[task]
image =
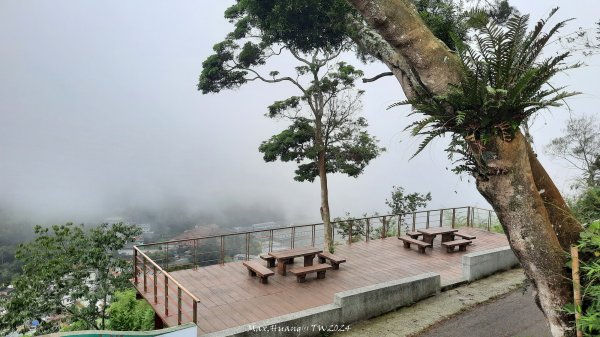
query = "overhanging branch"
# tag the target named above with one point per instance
(375, 78)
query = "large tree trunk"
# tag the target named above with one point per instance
(565, 225)
(537, 221)
(523, 215)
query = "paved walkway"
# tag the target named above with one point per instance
(514, 314)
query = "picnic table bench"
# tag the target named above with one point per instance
(270, 260)
(462, 245)
(430, 233)
(257, 269)
(465, 236)
(301, 272)
(284, 257)
(421, 245)
(333, 260)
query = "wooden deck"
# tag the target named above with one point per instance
(229, 296)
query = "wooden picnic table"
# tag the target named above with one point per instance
(430, 233)
(285, 256)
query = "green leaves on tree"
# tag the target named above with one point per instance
(70, 272)
(505, 81)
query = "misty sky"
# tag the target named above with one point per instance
(99, 115)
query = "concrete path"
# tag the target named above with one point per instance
(513, 314)
(512, 311)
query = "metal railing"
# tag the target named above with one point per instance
(153, 261)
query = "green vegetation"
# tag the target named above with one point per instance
(128, 314)
(69, 274)
(503, 83)
(589, 254)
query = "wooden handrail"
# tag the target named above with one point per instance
(171, 279)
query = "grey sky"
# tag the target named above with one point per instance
(99, 114)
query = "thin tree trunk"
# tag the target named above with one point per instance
(520, 208)
(322, 167)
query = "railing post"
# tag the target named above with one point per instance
(167, 258)
(332, 232)
(489, 220)
(414, 216)
(222, 250)
(368, 230)
(195, 312)
(427, 223)
(399, 223)
(350, 232)
(271, 240)
(293, 237)
(166, 296)
(453, 217)
(384, 233)
(154, 279)
(135, 271)
(468, 215)
(441, 217)
(247, 248)
(195, 254)
(314, 230)
(178, 306)
(145, 272)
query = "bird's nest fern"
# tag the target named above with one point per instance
(505, 79)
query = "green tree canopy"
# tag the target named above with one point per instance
(69, 272)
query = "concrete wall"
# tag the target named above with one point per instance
(185, 330)
(348, 307)
(487, 262)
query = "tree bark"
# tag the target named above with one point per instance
(564, 224)
(321, 165)
(523, 215)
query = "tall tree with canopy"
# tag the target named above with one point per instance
(325, 135)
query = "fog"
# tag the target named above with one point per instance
(100, 118)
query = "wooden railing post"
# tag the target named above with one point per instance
(271, 240)
(350, 232)
(195, 312)
(155, 285)
(167, 258)
(293, 237)
(368, 230)
(441, 217)
(222, 250)
(453, 217)
(247, 247)
(166, 296)
(384, 232)
(468, 215)
(145, 273)
(489, 220)
(135, 271)
(414, 219)
(195, 253)
(399, 224)
(427, 223)
(178, 306)
(314, 232)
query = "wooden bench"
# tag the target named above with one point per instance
(420, 244)
(301, 272)
(462, 245)
(414, 235)
(270, 260)
(333, 260)
(257, 269)
(465, 236)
